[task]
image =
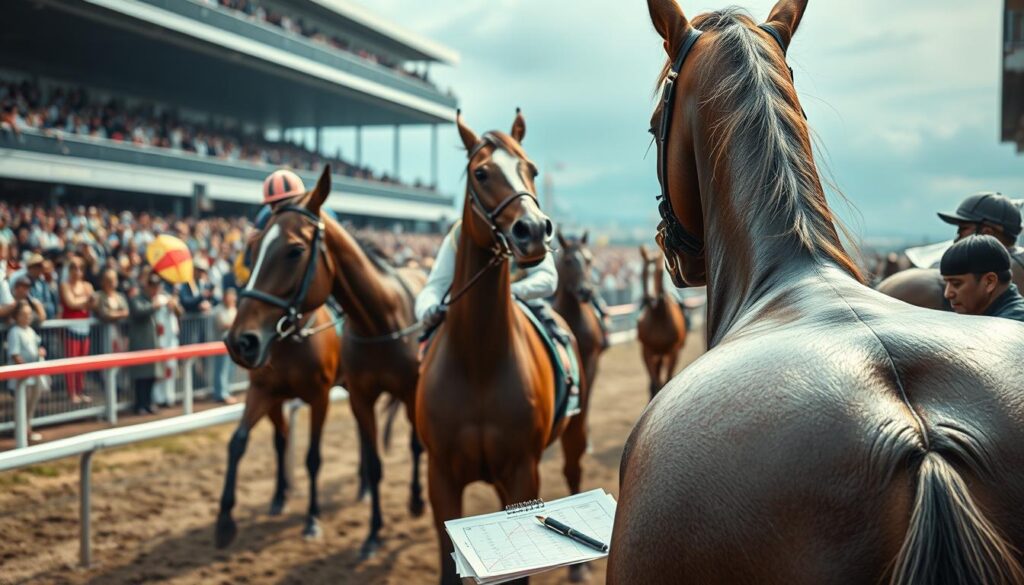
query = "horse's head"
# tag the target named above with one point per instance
(501, 194)
(574, 266)
(696, 83)
(286, 283)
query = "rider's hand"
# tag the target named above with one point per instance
(434, 316)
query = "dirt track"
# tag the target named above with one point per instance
(154, 505)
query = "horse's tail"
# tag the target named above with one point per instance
(389, 420)
(950, 541)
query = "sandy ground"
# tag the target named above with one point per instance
(154, 505)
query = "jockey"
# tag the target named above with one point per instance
(532, 286)
(995, 215)
(280, 187)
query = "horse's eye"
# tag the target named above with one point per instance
(296, 252)
(533, 172)
(480, 174)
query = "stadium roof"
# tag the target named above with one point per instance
(396, 39)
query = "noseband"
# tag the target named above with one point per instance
(289, 323)
(676, 237)
(502, 247)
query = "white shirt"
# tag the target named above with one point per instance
(540, 281)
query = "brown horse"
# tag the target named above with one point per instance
(313, 369)
(485, 405)
(661, 327)
(921, 287)
(302, 258)
(574, 301)
(830, 434)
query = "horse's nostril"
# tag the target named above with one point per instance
(549, 228)
(520, 230)
(248, 345)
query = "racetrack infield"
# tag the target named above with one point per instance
(154, 504)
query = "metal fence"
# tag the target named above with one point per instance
(87, 395)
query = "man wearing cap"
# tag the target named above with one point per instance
(994, 215)
(39, 288)
(20, 292)
(976, 270)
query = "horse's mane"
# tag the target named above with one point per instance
(377, 256)
(763, 129)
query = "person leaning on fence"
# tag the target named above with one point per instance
(976, 270)
(111, 307)
(39, 288)
(223, 317)
(142, 335)
(21, 292)
(76, 301)
(23, 346)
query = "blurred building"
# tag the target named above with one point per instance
(1013, 74)
(256, 67)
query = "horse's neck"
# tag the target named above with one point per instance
(360, 289)
(659, 283)
(484, 314)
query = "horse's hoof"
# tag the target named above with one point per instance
(312, 530)
(579, 573)
(225, 532)
(417, 507)
(276, 507)
(364, 490)
(369, 549)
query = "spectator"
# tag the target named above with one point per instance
(76, 296)
(39, 288)
(111, 307)
(22, 287)
(977, 274)
(23, 347)
(168, 333)
(142, 334)
(223, 317)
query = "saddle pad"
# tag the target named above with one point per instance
(567, 368)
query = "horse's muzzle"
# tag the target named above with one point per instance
(529, 237)
(248, 349)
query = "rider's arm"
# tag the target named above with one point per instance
(441, 276)
(540, 282)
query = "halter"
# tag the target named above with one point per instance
(502, 247)
(289, 323)
(675, 236)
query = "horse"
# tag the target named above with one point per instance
(313, 369)
(661, 327)
(486, 357)
(302, 258)
(921, 287)
(830, 434)
(574, 301)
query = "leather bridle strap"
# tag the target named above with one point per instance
(491, 216)
(292, 307)
(778, 39)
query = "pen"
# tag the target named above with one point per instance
(572, 533)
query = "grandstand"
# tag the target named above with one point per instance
(185, 105)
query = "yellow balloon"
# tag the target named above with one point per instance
(171, 259)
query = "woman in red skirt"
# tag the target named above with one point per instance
(76, 298)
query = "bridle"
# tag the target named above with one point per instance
(289, 323)
(490, 216)
(674, 236)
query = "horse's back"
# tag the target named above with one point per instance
(790, 455)
(921, 287)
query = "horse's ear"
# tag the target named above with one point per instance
(561, 240)
(585, 237)
(319, 193)
(670, 22)
(469, 138)
(644, 254)
(785, 18)
(519, 127)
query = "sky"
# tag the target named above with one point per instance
(904, 98)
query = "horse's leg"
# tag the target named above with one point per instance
(416, 504)
(574, 444)
(318, 414)
(276, 414)
(670, 366)
(446, 502)
(362, 408)
(256, 405)
(522, 485)
(651, 362)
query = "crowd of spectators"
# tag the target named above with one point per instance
(299, 26)
(67, 110)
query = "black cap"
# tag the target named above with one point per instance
(976, 255)
(992, 208)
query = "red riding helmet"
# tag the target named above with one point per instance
(282, 184)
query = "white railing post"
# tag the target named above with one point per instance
(188, 389)
(20, 415)
(110, 389)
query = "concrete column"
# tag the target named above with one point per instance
(433, 155)
(319, 140)
(359, 146)
(396, 156)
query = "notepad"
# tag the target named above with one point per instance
(499, 547)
